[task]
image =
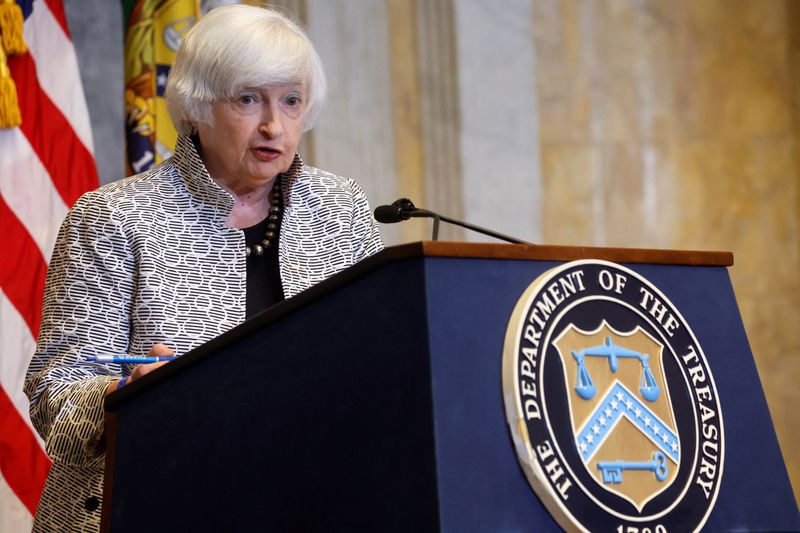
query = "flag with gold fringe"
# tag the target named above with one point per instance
(154, 30)
(11, 42)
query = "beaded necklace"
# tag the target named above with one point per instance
(274, 224)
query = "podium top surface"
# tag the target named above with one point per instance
(558, 253)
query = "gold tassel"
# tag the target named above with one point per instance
(9, 107)
(11, 27)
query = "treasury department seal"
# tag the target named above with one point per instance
(611, 403)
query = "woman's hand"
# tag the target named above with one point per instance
(140, 370)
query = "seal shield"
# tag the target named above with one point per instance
(620, 409)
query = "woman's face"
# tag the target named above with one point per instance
(253, 137)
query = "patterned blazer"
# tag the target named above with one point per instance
(149, 259)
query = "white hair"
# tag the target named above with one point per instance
(238, 46)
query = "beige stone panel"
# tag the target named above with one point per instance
(638, 194)
(604, 71)
(735, 79)
(568, 194)
(562, 83)
(652, 68)
(712, 209)
(618, 194)
(659, 193)
(741, 196)
(621, 83)
(617, 71)
(626, 219)
(408, 149)
(771, 236)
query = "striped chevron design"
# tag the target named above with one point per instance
(619, 402)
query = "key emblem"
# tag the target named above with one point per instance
(612, 470)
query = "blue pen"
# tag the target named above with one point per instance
(129, 359)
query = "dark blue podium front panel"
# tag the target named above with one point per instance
(481, 484)
(319, 422)
(378, 406)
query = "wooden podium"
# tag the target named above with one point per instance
(374, 402)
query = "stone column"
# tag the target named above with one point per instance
(499, 136)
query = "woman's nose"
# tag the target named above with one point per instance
(271, 125)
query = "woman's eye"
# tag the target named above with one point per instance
(293, 100)
(247, 99)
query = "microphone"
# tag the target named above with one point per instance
(397, 212)
(403, 209)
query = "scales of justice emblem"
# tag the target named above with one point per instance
(622, 417)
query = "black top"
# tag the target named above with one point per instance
(264, 286)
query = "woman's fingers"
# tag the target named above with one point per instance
(157, 350)
(141, 370)
(161, 350)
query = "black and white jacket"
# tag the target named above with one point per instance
(149, 259)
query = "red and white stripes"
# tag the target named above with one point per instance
(45, 165)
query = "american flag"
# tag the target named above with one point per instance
(45, 165)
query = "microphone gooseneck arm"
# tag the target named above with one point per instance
(403, 209)
(424, 213)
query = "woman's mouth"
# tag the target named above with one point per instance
(266, 154)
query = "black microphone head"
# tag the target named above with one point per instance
(397, 212)
(404, 204)
(388, 214)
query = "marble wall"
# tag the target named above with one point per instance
(674, 124)
(636, 123)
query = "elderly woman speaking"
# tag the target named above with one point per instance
(163, 261)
